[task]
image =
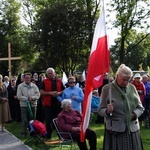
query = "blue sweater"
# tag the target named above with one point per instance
(95, 103)
(73, 91)
(147, 87)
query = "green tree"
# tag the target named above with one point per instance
(140, 53)
(129, 15)
(9, 29)
(12, 31)
(63, 33)
(136, 54)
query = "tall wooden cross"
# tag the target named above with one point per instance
(9, 58)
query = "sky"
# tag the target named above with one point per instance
(111, 32)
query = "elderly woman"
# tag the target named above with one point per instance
(74, 93)
(70, 121)
(95, 101)
(141, 91)
(121, 112)
(4, 106)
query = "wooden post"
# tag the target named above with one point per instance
(9, 59)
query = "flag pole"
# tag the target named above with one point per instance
(110, 98)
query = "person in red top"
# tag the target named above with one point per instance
(139, 86)
(141, 91)
(50, 89)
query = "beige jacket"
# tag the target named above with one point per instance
(25, 91)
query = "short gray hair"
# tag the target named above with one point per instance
(6, 77)
(65, 103)
(124, 71)
(51, 69)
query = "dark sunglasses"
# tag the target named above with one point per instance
(71, 82)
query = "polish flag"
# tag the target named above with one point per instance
(99, 62)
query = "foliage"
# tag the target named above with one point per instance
(137, 52)
(9, 29)
(59, 33)
(13, 32)
(148, 69)
(129, 15)
(141, 51)
(62, 31)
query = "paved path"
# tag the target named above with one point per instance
(10, 142)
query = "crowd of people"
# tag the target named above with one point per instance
(45, 97)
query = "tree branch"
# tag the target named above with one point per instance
(134, 46)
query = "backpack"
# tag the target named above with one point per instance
(40, 127)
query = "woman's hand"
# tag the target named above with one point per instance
(109, 108)
(55, 93)
(3, 100)
(75, 129)
(73, 97)
(133, 116)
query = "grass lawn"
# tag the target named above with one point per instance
(14, 128)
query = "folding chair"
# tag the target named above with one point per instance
(63, 141)
(35, 135)
(93, 115)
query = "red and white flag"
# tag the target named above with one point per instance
(99, 62)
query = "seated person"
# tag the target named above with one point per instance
(95, 105)
(70, 121)
(95, 101)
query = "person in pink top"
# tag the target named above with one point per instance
(141, 91)
(139, 86)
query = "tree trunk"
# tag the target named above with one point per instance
(122, 51)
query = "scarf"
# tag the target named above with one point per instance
(128, 99)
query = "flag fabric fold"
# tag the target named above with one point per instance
(83, 76)
(64, 79)
(99, 62)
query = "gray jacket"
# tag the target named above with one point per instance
(118, 122)
(25, 91)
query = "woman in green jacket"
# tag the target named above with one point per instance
(121, 107)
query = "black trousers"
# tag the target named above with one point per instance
(90, 135)
(51, 112)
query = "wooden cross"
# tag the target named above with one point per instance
(9, 59)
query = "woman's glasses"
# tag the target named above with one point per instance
(71, 82)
